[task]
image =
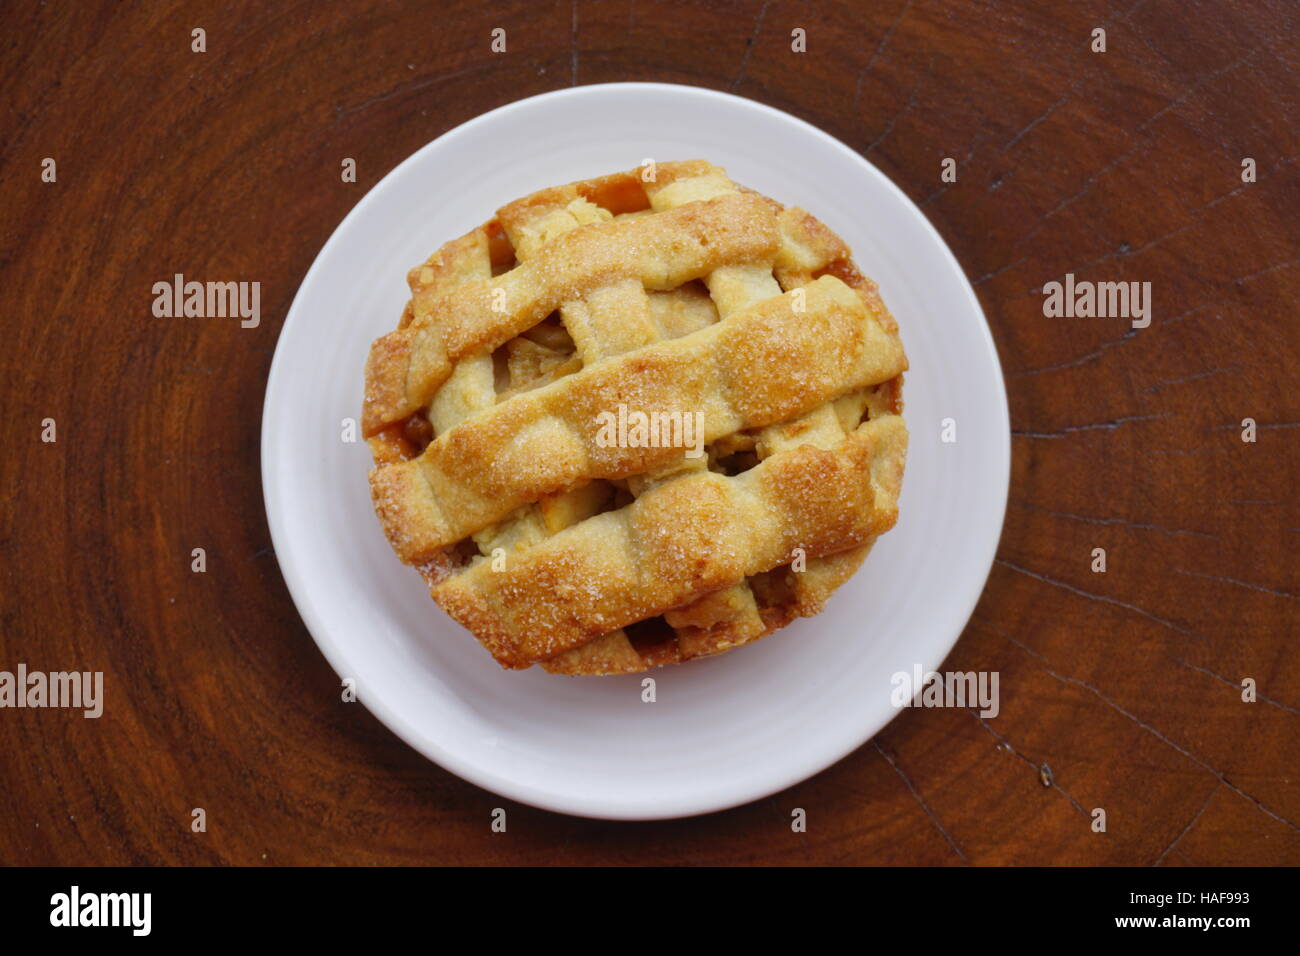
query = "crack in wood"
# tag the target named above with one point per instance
(880, 48)
(573, 44)
(1044, 115)
(915, 793)
(1124, 251)
(1244, 584)
(749, 46)
(1158, 386)
(1259, 426)
(1236, 685)
(1100, 426)
(411, 87)
(911, 102)
(997, 272)
(1101, 597)
(1123, 522)
(975, 145)
(1191, 823)
(1082, 360)
(1201, 81)
(1218, 774)
(1264, 271)
(1222, 777)
(1146, 141)
(1074, 88)
(1036, 766)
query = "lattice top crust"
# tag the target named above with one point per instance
(671, 298)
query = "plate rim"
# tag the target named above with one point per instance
(401, 726)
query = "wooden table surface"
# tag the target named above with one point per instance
(1120, 690)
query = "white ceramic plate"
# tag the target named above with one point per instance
(723, 731)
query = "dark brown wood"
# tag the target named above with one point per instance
(1123, 165)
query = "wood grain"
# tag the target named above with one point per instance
(1117, 166)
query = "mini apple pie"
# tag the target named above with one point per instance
(635, 420)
